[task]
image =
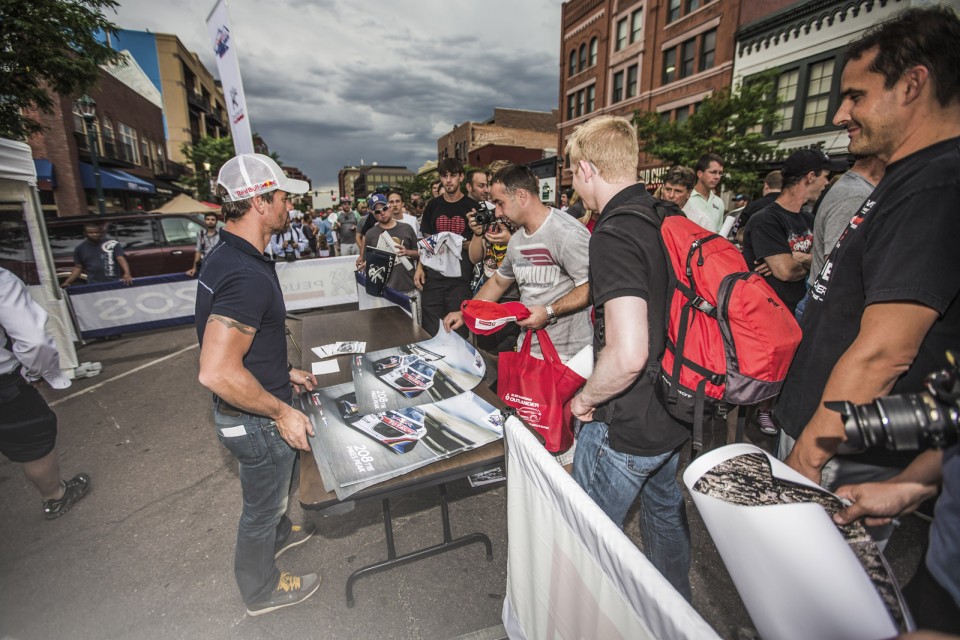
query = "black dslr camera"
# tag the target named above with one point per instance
(910, 421)
(485, 216)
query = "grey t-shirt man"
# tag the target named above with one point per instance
(547, 265)
(836, 209)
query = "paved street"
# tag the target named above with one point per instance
(148, 554)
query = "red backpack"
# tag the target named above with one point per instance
(729, 337)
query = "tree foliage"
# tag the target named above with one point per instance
(729, 123)
(48, 46)
(417, 184)
(216, 152)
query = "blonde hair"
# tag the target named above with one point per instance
(610, 144)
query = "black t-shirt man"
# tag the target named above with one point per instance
(439, 216)
(241, 283)
(99, 259)
(900, 246)
(774, 231)
(625, 244)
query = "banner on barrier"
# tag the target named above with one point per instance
(164, 301)
(149, 303)
(571, 572)
(318, 282)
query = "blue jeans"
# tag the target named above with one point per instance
(614, 480)
(266, 469)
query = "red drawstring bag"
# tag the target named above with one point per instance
(540, 390)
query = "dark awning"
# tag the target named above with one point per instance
(165, 188)
(45, 171)
(114, 180)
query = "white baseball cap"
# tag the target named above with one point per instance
(253, 174)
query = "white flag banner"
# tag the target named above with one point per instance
(224, 47)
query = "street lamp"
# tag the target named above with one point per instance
(211, 183)
(86, 108)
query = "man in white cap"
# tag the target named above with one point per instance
(240, 317)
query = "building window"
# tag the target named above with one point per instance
(571, 106)
(573, 62)
(673, 10)
(664, 117)
(708, 47)
(583, 58)
(632, 81)
(687, 58)
(669, 65)
(787, 94)
(682, 114)
(591, 97)
(593, 52)
(692, 5)
(109, 139)
(621, 34)
(617, 87)
(580, 102)
(818, 94)
(145, 153)
(636, 25)
(129, 149)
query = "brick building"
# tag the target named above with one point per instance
(621, 56)
(129, 135)
(805, 41)
(193, 101)
(530, 130)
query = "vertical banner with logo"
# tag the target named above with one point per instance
(218, 26)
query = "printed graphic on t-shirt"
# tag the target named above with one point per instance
(801, 242)
(536, 268)
(455, 224)
(819, 289)
(109, 264)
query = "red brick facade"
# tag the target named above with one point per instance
(663, 56)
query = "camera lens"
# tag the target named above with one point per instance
(905, 422)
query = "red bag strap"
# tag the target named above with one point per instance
(546, 346)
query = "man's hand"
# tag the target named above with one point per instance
(538, 318)
(472, 222)
(763, 269)
(879, 501)
(294, 427)
(453, 321)
(498, 234)
(806, 259)
(127, 279)
(191, 272)
(301, 380)
(581, 410)
(419, 277)
(360, 263)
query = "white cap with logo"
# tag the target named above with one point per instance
(253, 174)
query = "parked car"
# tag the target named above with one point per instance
(154, 244)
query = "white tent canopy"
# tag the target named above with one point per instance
(18, 183)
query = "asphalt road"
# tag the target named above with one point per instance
(149, 552)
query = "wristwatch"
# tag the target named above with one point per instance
(551, 316)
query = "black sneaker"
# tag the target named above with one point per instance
(74, 489)
(298, 535)
(290, 590)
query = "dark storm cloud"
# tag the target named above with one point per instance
(330, 83)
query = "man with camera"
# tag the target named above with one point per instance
(884, 307)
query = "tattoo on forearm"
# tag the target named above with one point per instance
(230, 323)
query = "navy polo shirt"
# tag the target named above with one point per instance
(239, 282)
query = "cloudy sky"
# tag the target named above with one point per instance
(329, 83)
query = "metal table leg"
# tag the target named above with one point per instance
(393, 560)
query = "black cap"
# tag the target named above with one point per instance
(806, 160)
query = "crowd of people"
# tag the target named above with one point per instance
(863, 261)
